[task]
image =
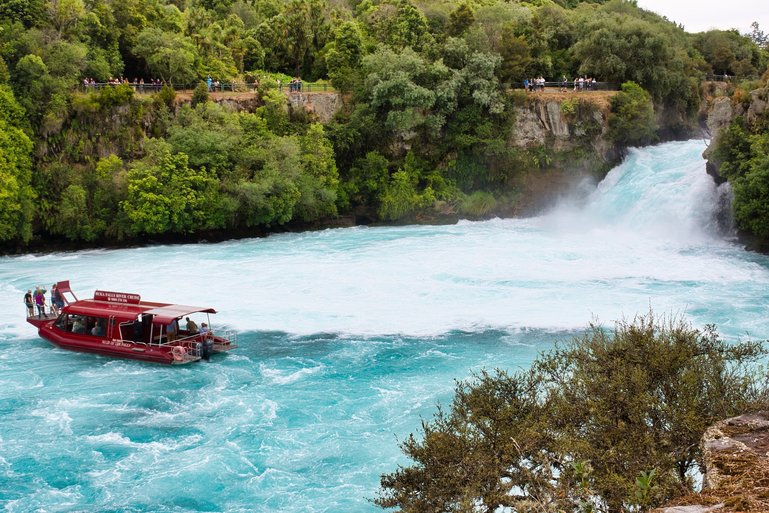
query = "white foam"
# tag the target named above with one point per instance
(644, 238)
(282, 377)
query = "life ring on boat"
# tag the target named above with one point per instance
(179, 353)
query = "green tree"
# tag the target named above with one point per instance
(401, 198)
(367, 179)
(268, 193)
(615, 47)
(16, 194)
(28, 12)
(516, 58)
(343, 56)
(109, 190)
(587, 421)
(728, 52)
(64, 14)
(199, 94)
(4, 75)
(169, 55)
(166, 196)
(397, 24)
(74, 215)
(30, 84)
(209, 135)
(319, 180)
(402, 89)
(632, 121)
(295, 36)
(460, 19)
(751, 189)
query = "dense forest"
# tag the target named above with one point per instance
(430, 93)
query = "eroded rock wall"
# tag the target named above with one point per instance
(564, 122)
(736, 457)
(321, 105)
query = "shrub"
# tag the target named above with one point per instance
(167, 96)
(606, 422)
(112, 96)
(478, 204)
(200, 94)
(632, 121)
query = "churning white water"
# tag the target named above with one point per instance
(347, 337)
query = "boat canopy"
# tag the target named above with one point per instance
(166, 314)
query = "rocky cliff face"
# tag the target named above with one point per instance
(719, 110)
(321, 106)
(564, 122)
(736, 455)
(571, 128)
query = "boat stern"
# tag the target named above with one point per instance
(37, 321)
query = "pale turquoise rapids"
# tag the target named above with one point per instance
(347, 337)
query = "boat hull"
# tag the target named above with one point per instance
(184, 352)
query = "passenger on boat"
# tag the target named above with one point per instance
(40, 302)
(138, 329)
(204, 329)
(98, 328)
(171, 330)
(79, 325)
(192, 328)
(57, 303)
(30, 303)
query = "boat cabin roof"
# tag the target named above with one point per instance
(129, 306)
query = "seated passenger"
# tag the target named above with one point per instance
(192, 328)
(138, 330)
(171, 330)
(98, 329)
(78, 326)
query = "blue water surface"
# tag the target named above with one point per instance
(347, 339)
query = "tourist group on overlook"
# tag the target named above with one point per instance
(579, 84)
(152, 84)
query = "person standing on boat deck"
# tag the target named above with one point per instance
(30, 303)
(204, 329)
(40, 303)
(192, 328)
(171, 330)
(57, 303)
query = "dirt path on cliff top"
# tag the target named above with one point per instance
(600, 98)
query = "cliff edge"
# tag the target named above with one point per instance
(736, 456)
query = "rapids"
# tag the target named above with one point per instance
(347, 337)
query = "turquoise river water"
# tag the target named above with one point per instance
(347, 338)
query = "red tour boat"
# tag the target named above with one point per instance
(122, 325)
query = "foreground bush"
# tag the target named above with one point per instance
(610, 421)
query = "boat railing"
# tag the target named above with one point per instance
(228, 334)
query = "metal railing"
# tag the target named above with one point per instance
(569, 85)
(229, 87)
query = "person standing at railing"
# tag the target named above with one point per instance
(40, 301)
(29, 302)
